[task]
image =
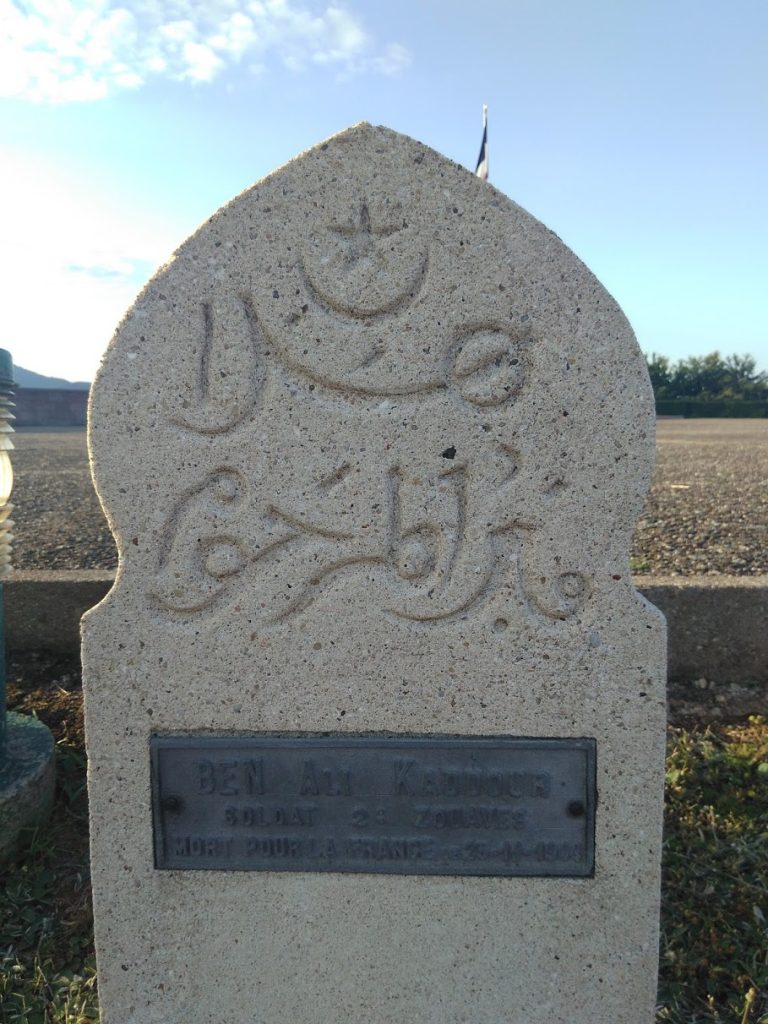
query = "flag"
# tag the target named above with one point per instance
(482, 161)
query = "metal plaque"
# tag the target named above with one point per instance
(393, 805)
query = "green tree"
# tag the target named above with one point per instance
(744, 380)
(660, 370)
(708, 377)
(699, 377)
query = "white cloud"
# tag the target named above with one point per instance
(393, 61)
(65, 51)
(71, 263)
(202, 63)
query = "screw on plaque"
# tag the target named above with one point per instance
(576, 809)
(172, 804)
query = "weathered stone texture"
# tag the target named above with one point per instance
(373, 445)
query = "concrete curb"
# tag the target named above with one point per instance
(43, 608)
(718, 625)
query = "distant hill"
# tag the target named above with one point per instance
(30, 379)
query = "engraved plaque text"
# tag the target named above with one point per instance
(395, 805)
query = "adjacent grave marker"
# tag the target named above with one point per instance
(375, 716)
(27, 766)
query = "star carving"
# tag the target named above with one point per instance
(361, 236)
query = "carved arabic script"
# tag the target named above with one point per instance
(437, 543)
(430, 535)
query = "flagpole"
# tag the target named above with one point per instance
(482, 161)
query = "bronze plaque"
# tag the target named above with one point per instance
(394, 805)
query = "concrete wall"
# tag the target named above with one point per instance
(50, 407)
(718, 625)
(43, 608)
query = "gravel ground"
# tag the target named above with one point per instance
(707, 511)
(58, 519)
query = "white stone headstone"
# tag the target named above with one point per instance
(373, 444)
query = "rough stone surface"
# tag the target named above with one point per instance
(373, 445)
(707, 509)
(27, 779)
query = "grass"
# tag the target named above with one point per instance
(714, 946)
(714, 949)
(47, 965)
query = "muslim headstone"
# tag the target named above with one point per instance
(375, 716)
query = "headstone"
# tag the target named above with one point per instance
(375, 716)
(27, 765)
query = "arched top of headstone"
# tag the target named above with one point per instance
(372, 366)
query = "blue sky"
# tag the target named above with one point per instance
(636, 131)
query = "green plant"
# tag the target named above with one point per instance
(714, 950)
(47, 968)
